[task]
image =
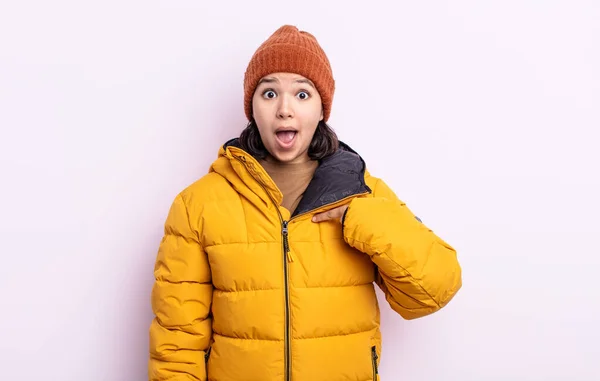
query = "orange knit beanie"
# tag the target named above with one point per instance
(291, 51)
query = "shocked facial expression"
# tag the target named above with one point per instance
(287, 109)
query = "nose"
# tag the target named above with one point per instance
(285, 109)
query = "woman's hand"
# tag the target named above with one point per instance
(331, 214)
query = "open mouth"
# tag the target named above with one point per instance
(286, 136)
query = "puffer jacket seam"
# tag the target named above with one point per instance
(296, 338)
(240, 243)
(298, 288)
(342, 286)
(252, 290)
(338, 335)
(270, 242)
(245, 338)
(319, 241)
(180, 281)
(412, 278)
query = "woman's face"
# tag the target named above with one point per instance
(287, 109)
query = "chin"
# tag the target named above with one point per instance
(288, 156)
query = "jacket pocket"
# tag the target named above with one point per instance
(374, 362)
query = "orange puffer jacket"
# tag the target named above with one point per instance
(245, 291)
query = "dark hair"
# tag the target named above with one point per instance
(323, 144)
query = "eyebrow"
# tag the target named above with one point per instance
(307, 81)
(275, 80)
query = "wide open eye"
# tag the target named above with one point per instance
(269, 94)
(303, 95)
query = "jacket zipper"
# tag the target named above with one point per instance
(286, 249)
(374, 360)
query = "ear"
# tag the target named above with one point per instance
(321, 118)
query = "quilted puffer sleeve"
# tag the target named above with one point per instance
(181, 299)
(418, 272)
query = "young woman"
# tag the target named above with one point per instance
(268, 263)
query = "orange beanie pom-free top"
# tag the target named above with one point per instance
(290, 50)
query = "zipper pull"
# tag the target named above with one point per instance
(374, 356)
(286, 244)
